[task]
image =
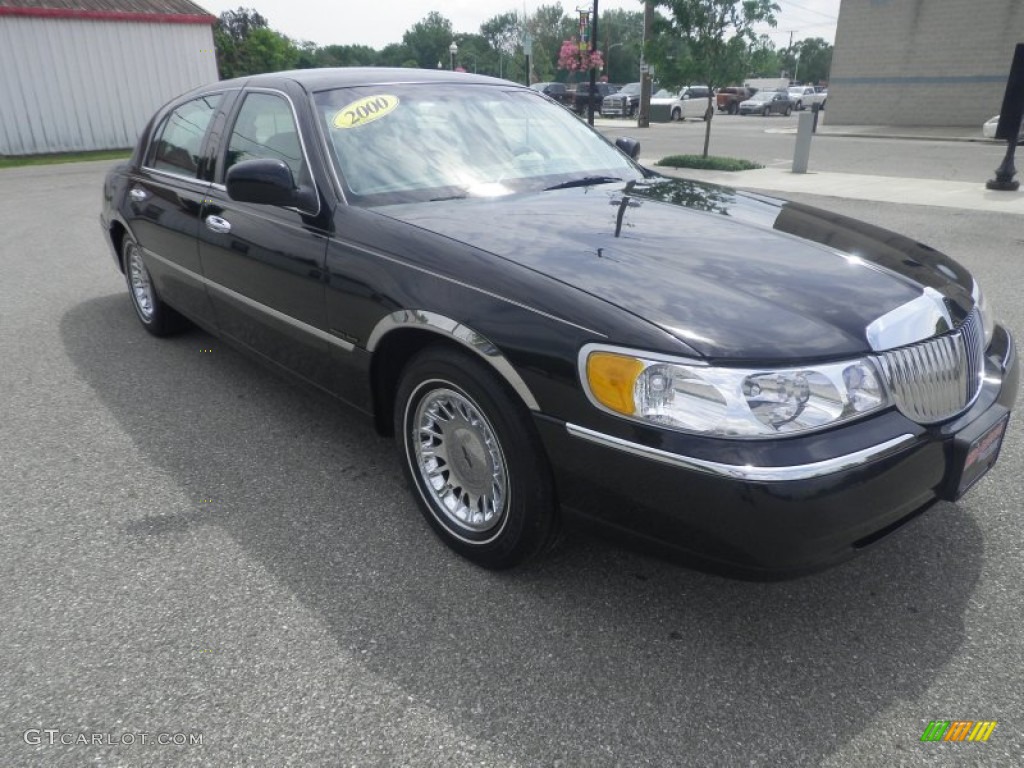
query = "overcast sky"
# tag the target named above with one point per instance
(379, 22)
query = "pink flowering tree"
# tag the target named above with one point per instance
(575, 60)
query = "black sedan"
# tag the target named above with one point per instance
(504, 291)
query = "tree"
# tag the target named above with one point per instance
(247, 46)
(504, 33)
(346, 56)
(764, 59)
(549, 27)
(396, 55)
(428, 40)
(717, 35)
(621, 39)
(815, 60)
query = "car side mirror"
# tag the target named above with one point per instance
(630, 146)
(266, 181)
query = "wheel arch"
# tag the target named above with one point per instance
(399, 336)
(117, 234)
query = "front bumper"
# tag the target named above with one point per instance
(618, 109)
(775, 508)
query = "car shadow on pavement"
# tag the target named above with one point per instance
(593, 656)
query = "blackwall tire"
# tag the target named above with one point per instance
(477, 467)
(155, 316)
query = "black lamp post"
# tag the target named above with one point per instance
(452, 50)
(1004, 181)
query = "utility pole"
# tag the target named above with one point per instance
(593, 72)
(644, 117)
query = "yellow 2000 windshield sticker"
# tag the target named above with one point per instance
(365, 111)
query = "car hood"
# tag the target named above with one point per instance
(733, 275)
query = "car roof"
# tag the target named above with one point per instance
(342, 77)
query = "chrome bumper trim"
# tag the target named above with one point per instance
(746, 472)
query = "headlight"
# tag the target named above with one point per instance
(988, 320)
(730, 402)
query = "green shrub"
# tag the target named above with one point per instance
(17, 161)
(710, 163)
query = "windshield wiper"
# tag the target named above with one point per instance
(449, 197)
(586, 181)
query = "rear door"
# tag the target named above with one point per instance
(164, 199)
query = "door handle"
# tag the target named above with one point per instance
(137, 194)
(218, 225)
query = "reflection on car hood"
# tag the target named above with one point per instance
(733, 275)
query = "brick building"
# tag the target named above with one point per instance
(922, 62)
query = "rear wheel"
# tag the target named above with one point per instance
(789, 111)
(767, 111)
(155, 316)
(734, 108)
(471, 452)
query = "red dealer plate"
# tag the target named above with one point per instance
(982, 455)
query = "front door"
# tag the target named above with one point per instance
(264, 264)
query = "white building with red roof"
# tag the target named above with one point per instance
(81, 75)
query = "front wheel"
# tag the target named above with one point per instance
(155, 316)
(470, 451)
(677, 115)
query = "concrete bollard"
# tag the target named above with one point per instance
(802, 152)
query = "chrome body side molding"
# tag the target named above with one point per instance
(467, 337)
(258, 306)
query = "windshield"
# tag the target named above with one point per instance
(633, 89)
(763, 96)
(416, 143)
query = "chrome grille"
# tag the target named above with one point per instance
(939, 378)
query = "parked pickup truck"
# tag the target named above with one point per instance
(803, 96)
(556, 91)
(728, 99)
(624, 103)
(601, 90)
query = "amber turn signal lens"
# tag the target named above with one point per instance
(612, 379)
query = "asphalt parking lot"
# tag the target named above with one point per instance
(193, 546)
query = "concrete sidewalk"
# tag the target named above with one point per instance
(852, 186)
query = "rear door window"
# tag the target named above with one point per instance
(176, 146)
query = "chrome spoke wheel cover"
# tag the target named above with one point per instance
(141, 286)
(458, 457)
